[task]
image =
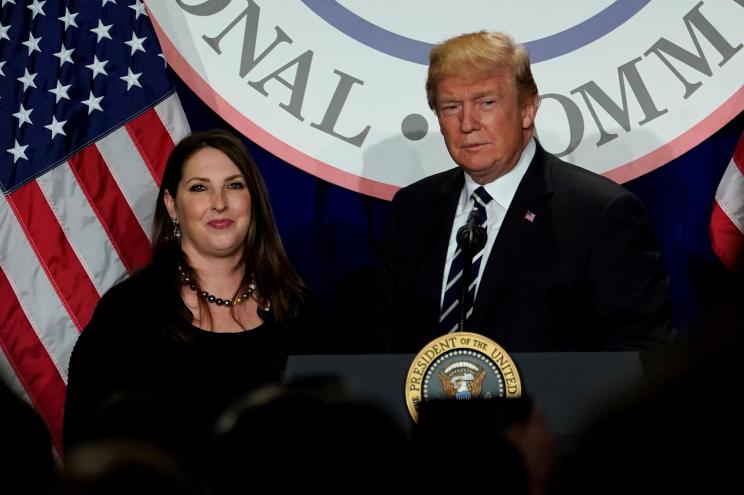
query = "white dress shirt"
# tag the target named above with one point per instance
(502, 191)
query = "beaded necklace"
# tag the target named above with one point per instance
(210, 298)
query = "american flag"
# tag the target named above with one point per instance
(727, 219)
(88, 115)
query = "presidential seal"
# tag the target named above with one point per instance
(461, 366)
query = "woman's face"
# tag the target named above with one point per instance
(212, 205)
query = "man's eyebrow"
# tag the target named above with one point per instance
(485, 92)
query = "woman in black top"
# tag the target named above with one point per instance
(208, 319)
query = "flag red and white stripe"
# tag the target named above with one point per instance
(69, 235)
(727, 219)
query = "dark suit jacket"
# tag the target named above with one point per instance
(584, 275)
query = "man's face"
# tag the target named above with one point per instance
(484, 124)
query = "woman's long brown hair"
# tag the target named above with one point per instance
(264, 257)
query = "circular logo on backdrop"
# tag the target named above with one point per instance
(461, 366)
(553, 45)
(336, 88)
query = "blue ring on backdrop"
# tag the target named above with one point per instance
(417, 51)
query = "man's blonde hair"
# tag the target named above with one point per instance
(479, 54)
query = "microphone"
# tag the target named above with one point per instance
(471, 237)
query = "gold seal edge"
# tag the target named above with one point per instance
(456, 341)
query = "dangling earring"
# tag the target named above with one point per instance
(176, 228)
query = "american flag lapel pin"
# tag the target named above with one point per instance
(529, 216)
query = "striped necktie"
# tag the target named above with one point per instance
(450, 316)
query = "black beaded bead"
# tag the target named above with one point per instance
(214, 299)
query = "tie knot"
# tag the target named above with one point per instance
(481, 196)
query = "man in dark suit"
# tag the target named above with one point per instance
(570, 261)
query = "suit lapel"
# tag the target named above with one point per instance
(526, 213)
(436, 241)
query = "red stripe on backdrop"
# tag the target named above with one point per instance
(33, 366)
(152, 140)
(111, 207)
(726, 239)
(59, 260)
(739, 155)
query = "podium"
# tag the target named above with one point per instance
(569, 388)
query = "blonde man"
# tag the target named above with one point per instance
(570, 261)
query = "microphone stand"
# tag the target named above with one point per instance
(471, 238)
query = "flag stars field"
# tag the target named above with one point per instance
(64, 55)
(136, 44)
(32, 43)
(98, 66)
(93, 103)
(27, 80)
(68, 18)
(131, 79)
(56, 127)
(4, 32)
(138, 8)
(18, 151)
(101, 31)
(60, 92)
(37, 8)
(23, 116)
